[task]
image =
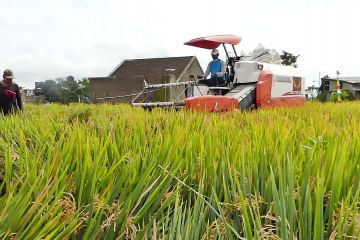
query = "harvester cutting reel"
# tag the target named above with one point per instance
(145, 97)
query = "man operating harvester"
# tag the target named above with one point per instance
(10, 98)
(217, 69)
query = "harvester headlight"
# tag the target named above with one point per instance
(260, 66)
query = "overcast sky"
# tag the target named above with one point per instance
(46, 39)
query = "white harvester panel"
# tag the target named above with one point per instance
(247, 72)
(286, 81)
(199, 90)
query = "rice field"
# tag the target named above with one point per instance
(116, 172)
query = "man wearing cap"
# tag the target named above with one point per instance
(216, 68)
(10, 98)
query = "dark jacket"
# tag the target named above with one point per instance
(10, 98)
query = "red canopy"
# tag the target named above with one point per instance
(211, 42)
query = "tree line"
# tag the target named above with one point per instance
(64, 90)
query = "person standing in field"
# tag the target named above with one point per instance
(10, 98)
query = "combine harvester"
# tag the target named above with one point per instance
(249, 84)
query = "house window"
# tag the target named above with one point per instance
(326, 85)
(357, 85)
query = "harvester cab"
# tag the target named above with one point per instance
(213, 42)
(248, 83)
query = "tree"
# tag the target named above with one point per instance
(312, 92)
(66, 90)
(288, 59)
(84, 89)
(51, 91)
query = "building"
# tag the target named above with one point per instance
(38, 88)
(122, 84)
(28, 96)
(352, 84)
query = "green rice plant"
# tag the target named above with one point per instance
(117, 172)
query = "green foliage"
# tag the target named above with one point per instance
(345, 95)
(65, 90)
(289, 59)
(117, 172)
(322, 97)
